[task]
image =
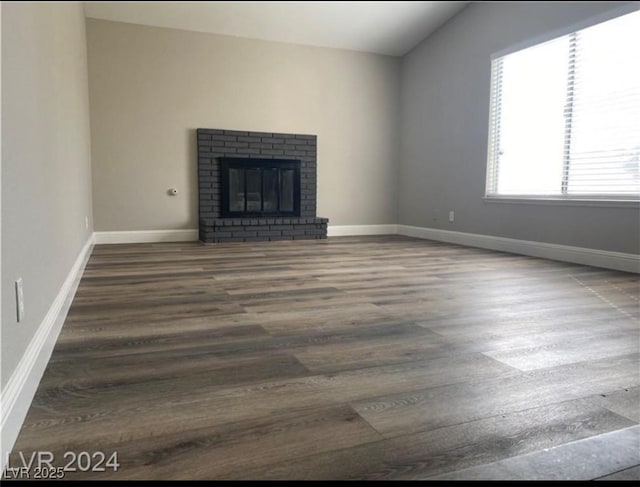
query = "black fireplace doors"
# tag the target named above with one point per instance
(260, 187)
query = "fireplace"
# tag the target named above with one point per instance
(255, 186)
(260, 187)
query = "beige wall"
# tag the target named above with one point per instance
(152, 87)
(46, 169)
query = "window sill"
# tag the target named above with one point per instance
(533, 200)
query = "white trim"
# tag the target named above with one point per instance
(566, 253)
(579, 255)
(17, 395)
(348, 230)
(542, 200)
(146, 236)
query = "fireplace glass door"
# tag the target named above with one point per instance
(260, 187)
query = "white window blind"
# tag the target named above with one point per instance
(565, 116)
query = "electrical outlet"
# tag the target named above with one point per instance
(19, 300)
(86, 222)
(451, 216)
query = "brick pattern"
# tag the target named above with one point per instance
(255, 229)
(216, 143)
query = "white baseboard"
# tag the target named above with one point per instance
(579, 255)
(146, 236)
(349, 230)
(17, 395)
(566, 253)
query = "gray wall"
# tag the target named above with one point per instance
(444, 124)
(152, 87)
(46, 168)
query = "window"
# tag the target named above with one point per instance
(565, 116)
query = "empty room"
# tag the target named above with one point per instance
(320, 241)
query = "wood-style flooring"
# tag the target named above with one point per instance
(348, 358)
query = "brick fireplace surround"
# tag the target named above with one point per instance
(216, 143)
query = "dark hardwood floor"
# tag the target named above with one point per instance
(350, 358)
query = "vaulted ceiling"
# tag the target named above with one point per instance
(391, 28)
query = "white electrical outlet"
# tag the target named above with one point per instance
(451, 216)
(86, 222)
(19, 300)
